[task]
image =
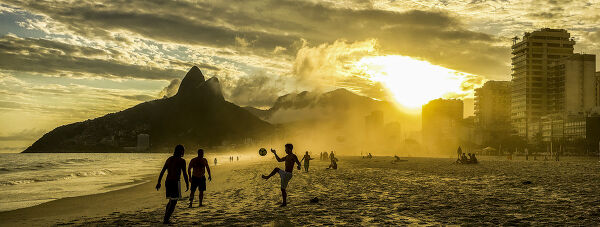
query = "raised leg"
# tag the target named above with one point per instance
(271, 174)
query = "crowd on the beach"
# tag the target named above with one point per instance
(175, 166)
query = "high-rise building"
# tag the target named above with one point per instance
(441, 120)
(532, 57)
(492, 104)
(492, 110)
(572, 85)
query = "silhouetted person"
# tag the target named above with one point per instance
(459, 152)
(286, 175)
(175, 165)
(463, 158)
(333, 160)
(396, 159)
(196, 172)
(306, 159)
(215, 161)
(473, 158)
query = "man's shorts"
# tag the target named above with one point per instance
(199, 182)
(173, 188)
(285, 178)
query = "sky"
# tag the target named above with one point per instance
(67, 61)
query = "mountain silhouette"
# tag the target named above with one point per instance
(336, 105)
(197, 115)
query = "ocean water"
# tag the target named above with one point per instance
(30, 179)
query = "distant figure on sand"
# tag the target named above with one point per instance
(306, 159)
(175, 165)
(459, 152)
(333, 160)
(198, 164)
(215, 161)
(286, 175)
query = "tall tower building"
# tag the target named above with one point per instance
(532, 58)
(572, 85)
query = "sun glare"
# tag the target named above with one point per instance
(412, 82)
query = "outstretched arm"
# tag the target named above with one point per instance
(162, 172)
(277, 156)
(297, 162)
(303, 159)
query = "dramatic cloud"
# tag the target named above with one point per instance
(56, 58)
(258, 90)
(170, 89)
(278, 26)
(63, 61)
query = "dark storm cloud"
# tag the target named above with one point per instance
(253, 27)
(52, 57)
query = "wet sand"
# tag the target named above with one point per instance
(421, 191)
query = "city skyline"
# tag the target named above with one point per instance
(64, 63)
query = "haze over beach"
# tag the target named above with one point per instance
(365, 112)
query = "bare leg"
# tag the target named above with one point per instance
(170, 208)
(284, 195)
(192, 192)
(201, 197)
(271, 174)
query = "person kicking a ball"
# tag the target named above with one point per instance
(286, 175)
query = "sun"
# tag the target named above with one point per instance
(413, 82)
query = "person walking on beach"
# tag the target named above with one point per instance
(215, 161)
(198, 164)
(459, 152)
(175, 165)
(285, 175)
(333, 160)
(306, 159)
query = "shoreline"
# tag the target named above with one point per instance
(137, 197)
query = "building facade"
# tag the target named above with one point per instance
(572, 85)
(532, 58)
(492, 110)
(441, 119)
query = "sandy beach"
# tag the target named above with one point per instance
(421, 191)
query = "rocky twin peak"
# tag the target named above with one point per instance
(195, 86)
(197, 115)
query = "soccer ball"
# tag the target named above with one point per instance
(262, 152)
